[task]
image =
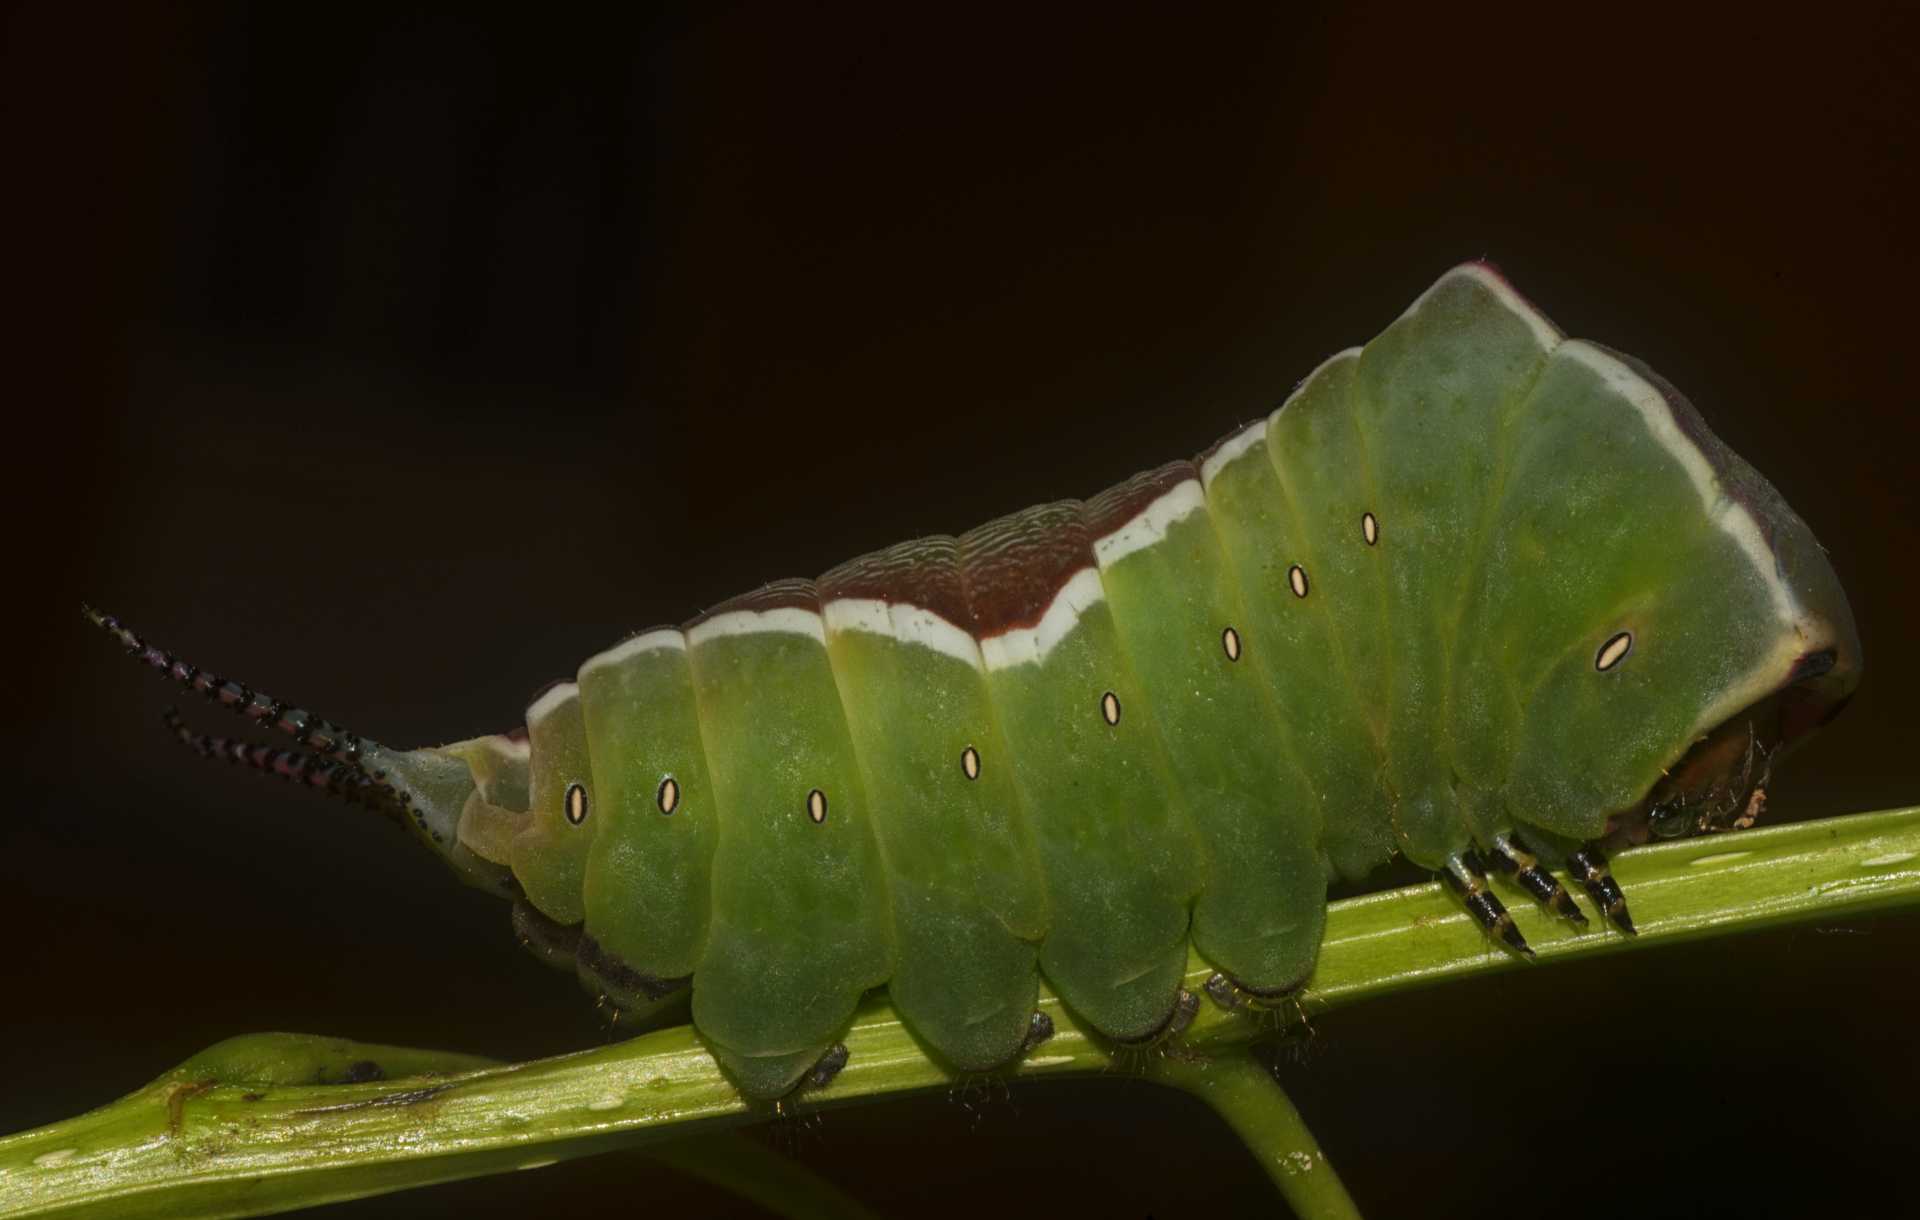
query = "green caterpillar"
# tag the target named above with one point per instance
(1475, 594)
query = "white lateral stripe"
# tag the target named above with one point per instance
(1723, 510)
(652, 641)
(1151, 524)
(519, 749)
(546, 704)
(787, 620)
(906, 623)
(914, 625)
(1231, 449)
(868, 614)
(1544, 331)
(1032, 644)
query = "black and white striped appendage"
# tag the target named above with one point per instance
(295, 766)
(315, 734)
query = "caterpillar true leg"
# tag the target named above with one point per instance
(1468, 877)
(1589, 868)
(1509, 857)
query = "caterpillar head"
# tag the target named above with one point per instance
(1796, 668)
(1720, 783)
(1654, 623)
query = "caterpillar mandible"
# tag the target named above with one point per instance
(1475, 593)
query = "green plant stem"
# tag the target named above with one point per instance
(1243, 1092)
(240, 1130)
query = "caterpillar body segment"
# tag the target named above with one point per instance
(648, 889)
(800, 926)
(1181, 614)
(1473, 592)
(1290, 638)
(964, 889)
(549, 856)
(1112, 835)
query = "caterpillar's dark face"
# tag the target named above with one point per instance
(1721, 782)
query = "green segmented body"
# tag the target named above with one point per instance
(1470, 581)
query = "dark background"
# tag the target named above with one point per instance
(398, 365)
